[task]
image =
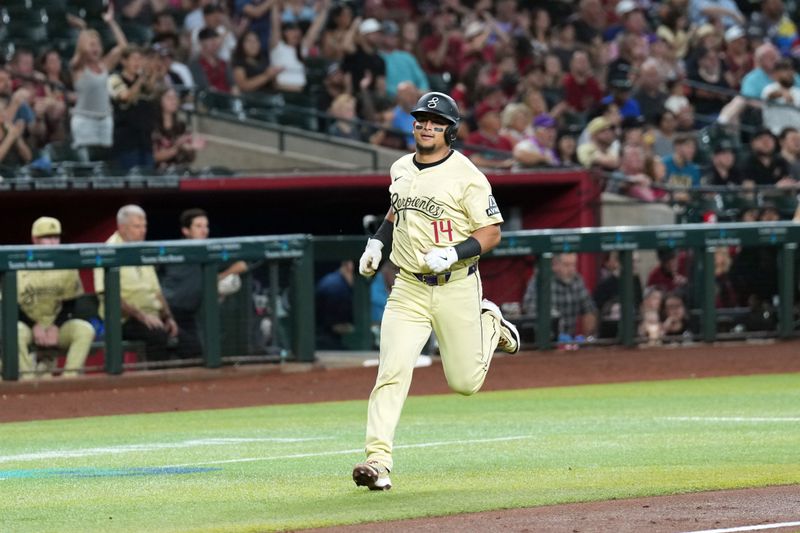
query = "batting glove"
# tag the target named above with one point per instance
(440, 259)
(371, 258)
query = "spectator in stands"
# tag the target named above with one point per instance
(650, 325)
(588, 23)
(738, 59)
(485, 146)
(343, 109)
(564, 44)
(174, 146)
(621, 87)
(782, 109)
(257, 15)
(762, 166)
(252, 73)
(607, 293)
(339, 36)
(132, 91)
(14, 151)
(215, 18)
(36, 108)
(208, 71)
(567, 148)
(724, 171)
(385, 135)
(725, 294)
(517, 121)
(650, 93)
(57, 93)
(400, 65)
(632, 180)
(754, 82)
(673, 30)
(92, 122)
(539, 149)
(365, 61)
(141, 12)
(633, 132)
(182, 284)
(541, 30)
(289, 48)
(167, 45)
(581, 89)
(675, 316)
(632, 21)
(569, 297)
(632, 53)
(665, 275)
(46, 304)
(407, 97)
(789, 140)
(702, 11)
(773, 21)
(443, 50)
(664, 133)
(146, 315)
(194, 17)
(163, 22)
(334, 307)
(682, 173)
(602, 151)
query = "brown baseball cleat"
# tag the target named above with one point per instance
(372, 475)
(509, 336)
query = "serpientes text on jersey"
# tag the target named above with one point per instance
(426, 205)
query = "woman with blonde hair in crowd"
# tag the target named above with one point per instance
(92, 121)
(343, 109)
(517, 120)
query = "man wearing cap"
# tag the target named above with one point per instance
(539, 150)
(723, 165)
(366, 61)
(763, 166)
(621, 86)
(602, 151)
(46, 300)
(632, 20)
(738, 58)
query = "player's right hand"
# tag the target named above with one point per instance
(371, 258)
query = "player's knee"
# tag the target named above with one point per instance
(464, 387)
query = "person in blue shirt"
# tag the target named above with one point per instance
(407, 96)
(766, 57)
(334, 307)
(681, 173)
(621, 87)
(400, 65)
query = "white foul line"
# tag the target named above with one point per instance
(749, 528)
(733, 418)
(146, 447)
(348, 452)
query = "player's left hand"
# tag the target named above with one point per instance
(440, 259)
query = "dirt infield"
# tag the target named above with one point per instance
(263, 385)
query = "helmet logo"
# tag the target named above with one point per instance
(433, 101)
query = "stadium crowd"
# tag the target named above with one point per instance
(656, 98)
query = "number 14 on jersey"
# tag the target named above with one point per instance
(441, 229)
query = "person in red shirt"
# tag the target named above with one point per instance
(497, 153)
(208, 70)
(666, 275)
(581, 90)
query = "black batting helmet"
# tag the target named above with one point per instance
(442, 105)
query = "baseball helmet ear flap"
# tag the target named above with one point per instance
(440, 104)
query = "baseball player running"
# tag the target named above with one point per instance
(442, 217)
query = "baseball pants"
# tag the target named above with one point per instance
(74, 335)
(467, 340)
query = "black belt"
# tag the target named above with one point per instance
(444, 277)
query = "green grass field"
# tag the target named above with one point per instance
(272, 468)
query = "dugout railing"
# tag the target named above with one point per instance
(302, 251)
(701, 239)
(295, 249)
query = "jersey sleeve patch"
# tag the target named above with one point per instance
(493, 208)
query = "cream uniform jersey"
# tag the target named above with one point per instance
(41, 292)
(436, 207)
